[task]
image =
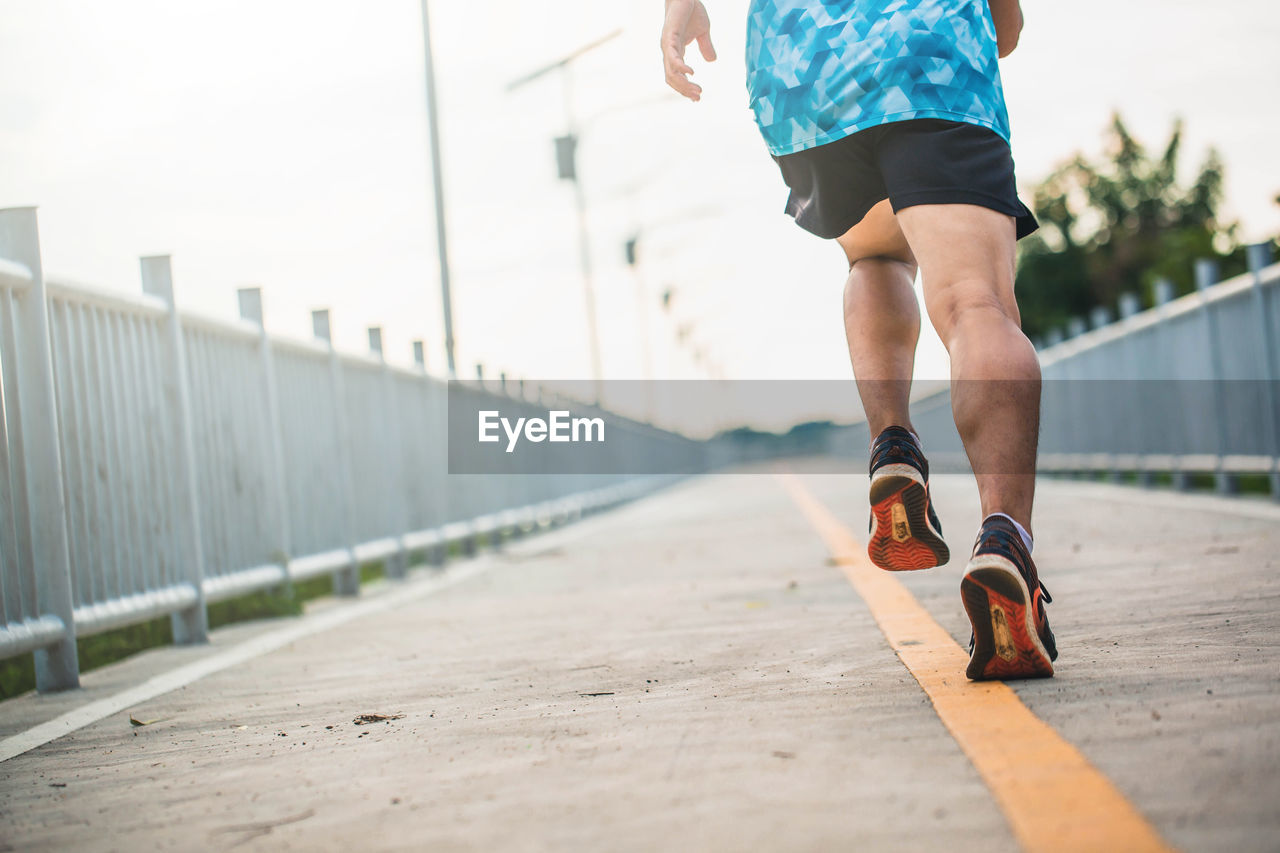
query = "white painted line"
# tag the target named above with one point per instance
(92, 712)
(537, 545)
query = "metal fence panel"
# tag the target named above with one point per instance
(308, 417)
(1190, 385)
(151, 462)
(238, 523)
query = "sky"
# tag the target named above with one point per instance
(284, 145)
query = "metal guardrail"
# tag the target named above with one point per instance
(1189, 386)
(153, 462)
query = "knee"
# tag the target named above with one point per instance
(877, 278)
(875, 268)
(968, 303)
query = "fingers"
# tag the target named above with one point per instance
(685, 21)
(690, 90)
(678, 70)
(673, 56)
(705, 46)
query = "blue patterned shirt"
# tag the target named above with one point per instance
(820, 70)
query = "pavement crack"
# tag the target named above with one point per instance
(671, 770)
(261, 828)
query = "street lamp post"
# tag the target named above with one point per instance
(631, 254)
(437, 177)
(566, 163)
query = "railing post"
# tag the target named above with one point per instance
(346, 581)
(190, 625)
(1207, 272)
(250, 299)
(57, 665)
(1130, 305)
(1163, 291)
(397, 566)
(437, 553)
(1259, 255)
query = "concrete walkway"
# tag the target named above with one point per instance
(690, 672)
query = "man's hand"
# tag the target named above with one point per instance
(686, 21)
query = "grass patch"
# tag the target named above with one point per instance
(263, 604)
(374, 571)
(1246, 483)
(1253, 484)
(1201, 481)
(18, 674)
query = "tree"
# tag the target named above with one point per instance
(1117, 225)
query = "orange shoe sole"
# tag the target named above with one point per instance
(1006, 644)
(902, 540)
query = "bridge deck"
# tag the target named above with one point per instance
(690, 672)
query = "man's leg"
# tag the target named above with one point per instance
(882, 322)
(966, 259)
(881, 319)
(966, 256)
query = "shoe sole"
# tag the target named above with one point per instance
(1006, 644)
(902, 539)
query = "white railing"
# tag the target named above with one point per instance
(152, 461)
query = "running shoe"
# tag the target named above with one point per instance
(1005, 601)
(904, 532)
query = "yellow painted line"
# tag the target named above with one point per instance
(1053, 798)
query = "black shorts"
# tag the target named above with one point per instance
(921, 161)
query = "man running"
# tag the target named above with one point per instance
(888, 122)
